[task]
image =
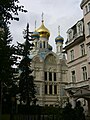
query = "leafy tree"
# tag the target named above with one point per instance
(26, 83)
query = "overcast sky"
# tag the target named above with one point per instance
(56, 12)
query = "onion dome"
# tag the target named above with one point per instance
(59, 38)
(43, 31)
(49, 47)
(35, 35)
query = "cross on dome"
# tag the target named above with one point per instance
(59, 30)
(42, 17)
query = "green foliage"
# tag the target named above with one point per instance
(79, 111)
(68, 112)
(7, 58)
(26, 80)
(9, 10)
(7, 71)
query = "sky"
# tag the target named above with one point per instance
(63, 13)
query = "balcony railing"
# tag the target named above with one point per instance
(78, 84)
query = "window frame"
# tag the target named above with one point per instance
(84, 72)
(45, 76)
(73, 76)
(71, 54)
(50, 76)
(50, 89)
(88, 28)
(82, 49)
(46, 92)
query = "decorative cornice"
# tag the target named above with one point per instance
(83, 3)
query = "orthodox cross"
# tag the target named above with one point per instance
(59, 30)
(35, 24)
(42, 16)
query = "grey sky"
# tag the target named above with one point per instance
(56, 12)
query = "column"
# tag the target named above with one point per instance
(53, 89)
(47, 89)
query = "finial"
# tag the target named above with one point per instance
(42, 17)
(35, 24)
(27, 25)
(59, 30)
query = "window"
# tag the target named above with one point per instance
(50, 89)
(79, 28)
(89, 7)
(72, 54)
(50, 76)
(89, 28)
(73, 76)
(45, 75)
(84, 71)
(55, 89)
(44, 44)
(45, 89)
(86, 9)
(82, 49)
(70, 35)
(54, 76)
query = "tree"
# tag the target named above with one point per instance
(7, 60)
(79, 111)
(68, 112)
(26, 79)
(9, 10)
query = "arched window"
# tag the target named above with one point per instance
(70, 34)
(79, 28)
(44, 44)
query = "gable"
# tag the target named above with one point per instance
(50, 59)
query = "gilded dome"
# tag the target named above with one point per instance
(43, 31)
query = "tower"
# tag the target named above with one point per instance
(59, 44)
(35, 36)
(44, 36)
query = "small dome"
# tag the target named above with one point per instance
(49, 47)
(35, 35)
(59, 39)
(43, 31)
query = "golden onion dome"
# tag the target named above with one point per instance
(43, 31)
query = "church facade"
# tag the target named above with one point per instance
(49, 68)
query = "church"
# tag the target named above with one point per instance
(50, 69)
